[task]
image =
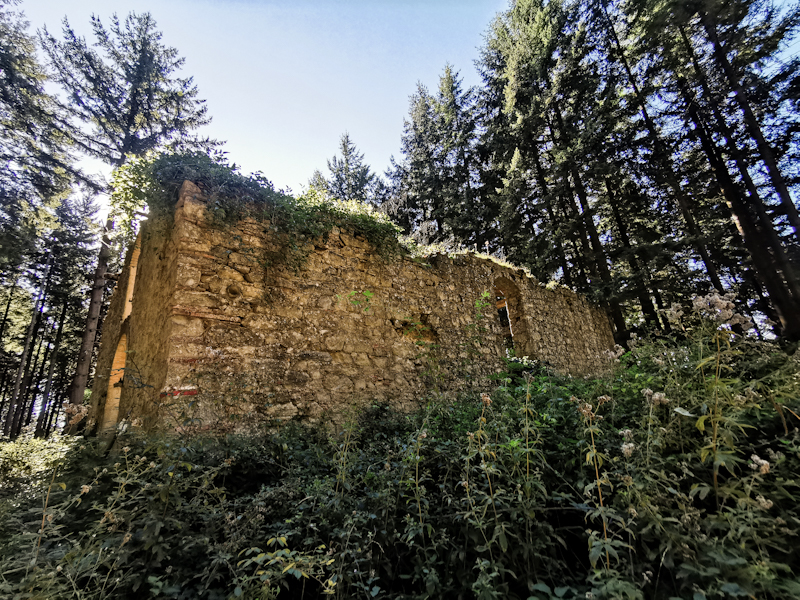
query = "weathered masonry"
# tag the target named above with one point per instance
(202, 331)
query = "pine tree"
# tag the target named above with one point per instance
(36, 168)
(127, 100)
(350, 177)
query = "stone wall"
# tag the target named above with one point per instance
(220, 336)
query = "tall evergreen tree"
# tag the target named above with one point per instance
(36, 168)
(350, 177)
(434, 182)
(128, 100)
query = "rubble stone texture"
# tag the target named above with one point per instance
(216, 337)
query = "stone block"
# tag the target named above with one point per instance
(186, 326)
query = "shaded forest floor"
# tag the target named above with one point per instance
(674, 477)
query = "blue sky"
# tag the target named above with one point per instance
(284, 79)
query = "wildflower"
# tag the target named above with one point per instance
(659, 398)
(627, 449)
(59, 568)
(613, 355)
(423, 434)
(485, 399)
(763, 503)
(126, 449)
(775, 457)
(585, 409)
(647, 393)
(126, 538)
(602, 400)
(152, 465)
(759, 464)
(85, 489)
(674, 312)
(627, 435)
(633, 341)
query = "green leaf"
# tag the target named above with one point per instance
(595, 553)
(683, 411)
(375, 591)
(238, 591)
(701, 424)
(541, 587)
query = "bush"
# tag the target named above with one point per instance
(675, 477)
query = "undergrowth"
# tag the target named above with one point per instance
(153, 181)
(674, 477)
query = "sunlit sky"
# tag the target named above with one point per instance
(284, 79)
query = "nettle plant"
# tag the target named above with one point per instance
(673, 477)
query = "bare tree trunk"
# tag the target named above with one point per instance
(645, 301)
(549, 208)
(5, 313)
(27, 382)
(598, 253)
(78, 386)
(3, 390)
(772, 266)
(661, 155)
(12, 408)
(40, 422)
(753, 127)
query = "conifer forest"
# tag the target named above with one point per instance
(643, 153)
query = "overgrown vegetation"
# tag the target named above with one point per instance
(675, 477)
(153, 181)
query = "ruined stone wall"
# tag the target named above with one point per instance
(229, 333)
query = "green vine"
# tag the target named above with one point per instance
(153, 182)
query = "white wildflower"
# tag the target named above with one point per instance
(763, 503)
(627, 449)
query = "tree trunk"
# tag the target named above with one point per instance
(12, 408)
(598, 254)
(661, 155)
(758, 233)
(753, 127)
(40, 422)
(550, 214)
(5, 313)
(27, 383)
(645, 301)
(78, 386)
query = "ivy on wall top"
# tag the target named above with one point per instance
(153, 182)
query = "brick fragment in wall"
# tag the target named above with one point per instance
(220, 312)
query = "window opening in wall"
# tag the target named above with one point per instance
(511, 313)
(505, 321)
